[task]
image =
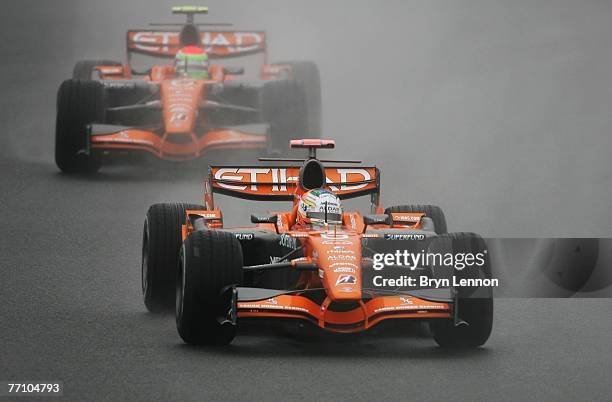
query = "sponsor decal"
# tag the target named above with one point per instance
(424, 307)
(180, 108)
(405, 236)
(343, 264)
(346, 279)
(282, 222)
(343, 242)
(244, 236)
(347, 289)
(288, 241)
(123, 137)
(265, 305)
(118, 85)
(340, 250)
(321, 273)
(216, 43)
(209, 215)
(111, 70)
(406, 218)
(274, 259)
(345, 269)
(365, 176)
(334, 236)
(341, 257)
(178, 117)
(278, 178)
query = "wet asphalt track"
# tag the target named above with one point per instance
(70, 304)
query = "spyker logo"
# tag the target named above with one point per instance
(346, 279)
(405, 300)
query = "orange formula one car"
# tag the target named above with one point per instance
(187, 106)
(314, 262)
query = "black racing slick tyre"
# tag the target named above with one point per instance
(79, 103)
(161, 242)
(473, 305)
(432, 211)
(85, 69)
(306, 73)
(284, 109)
(210, 264)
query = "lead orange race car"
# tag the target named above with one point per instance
(314, 262)
(181, 110)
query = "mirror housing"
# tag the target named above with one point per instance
(264, 218)
(377, 219)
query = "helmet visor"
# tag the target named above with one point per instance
(320, 216)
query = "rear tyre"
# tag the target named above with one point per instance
(285, 110)
(210, 262)
(85, 69)
(432, 211)
(475, 305)
(306, 73)
(161, 241)
(79, 103)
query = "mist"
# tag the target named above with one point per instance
(497, 111)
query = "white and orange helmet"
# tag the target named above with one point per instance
(319, 206)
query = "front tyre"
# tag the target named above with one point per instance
(161, 241)
(79, 103)
(210, 263)
(474, 305)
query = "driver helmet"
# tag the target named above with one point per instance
(317, 207)
(191, 62)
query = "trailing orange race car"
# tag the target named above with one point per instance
(184, 108)
(315, 261)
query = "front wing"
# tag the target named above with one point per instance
(177, 147)
(263, 303)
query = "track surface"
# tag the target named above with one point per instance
(70, 304)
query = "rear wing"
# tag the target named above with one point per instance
(274, 183)
(218, 44)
